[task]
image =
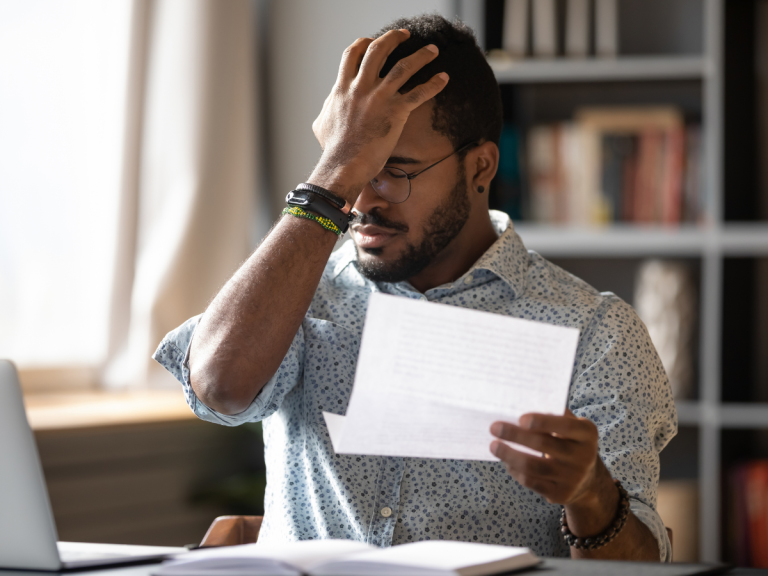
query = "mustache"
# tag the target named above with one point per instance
(376, 219)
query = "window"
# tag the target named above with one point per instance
(63, 73)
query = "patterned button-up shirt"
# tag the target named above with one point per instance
(618, 382)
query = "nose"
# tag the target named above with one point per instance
(368, 200)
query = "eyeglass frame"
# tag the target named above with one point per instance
(413, 175)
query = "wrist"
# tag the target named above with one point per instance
(344, 181)
(593, 510)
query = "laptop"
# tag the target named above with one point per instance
(28, 538)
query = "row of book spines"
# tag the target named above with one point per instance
(648, 177)
(543, 23)
(648, 183)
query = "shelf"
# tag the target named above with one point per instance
(743, 415)
(688, 412)
(726, 415)
(616, 240)
(745, 239)
(626, 240)
(599, 69)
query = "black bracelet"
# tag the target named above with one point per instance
(320, 206)
(336, 201)
(608, 534)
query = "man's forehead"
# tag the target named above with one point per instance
(419, 141)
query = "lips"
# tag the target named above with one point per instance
(369, 236)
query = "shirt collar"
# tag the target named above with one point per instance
(507, 258)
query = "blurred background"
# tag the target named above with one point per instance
(146, 147)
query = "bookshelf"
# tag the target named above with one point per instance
(677, 53)
(627, 68)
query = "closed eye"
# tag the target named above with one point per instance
(390, 172)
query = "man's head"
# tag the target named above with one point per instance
(447, 203)
(469, 107)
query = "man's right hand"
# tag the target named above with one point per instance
(363, 117)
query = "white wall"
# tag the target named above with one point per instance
(305, 41)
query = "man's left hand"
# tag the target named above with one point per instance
(566, 471)
(570, 472)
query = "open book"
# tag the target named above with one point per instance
(346, 557)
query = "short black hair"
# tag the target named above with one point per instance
(469, 108)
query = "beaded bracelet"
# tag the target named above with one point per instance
(322, 220)
(608, 534)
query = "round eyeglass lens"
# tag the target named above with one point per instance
(392, 184)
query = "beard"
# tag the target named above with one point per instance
(442, 226)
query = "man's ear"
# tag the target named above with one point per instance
(481, 166)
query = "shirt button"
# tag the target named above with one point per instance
(468, 279)
(386, 511)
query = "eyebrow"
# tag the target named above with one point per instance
(403, 160)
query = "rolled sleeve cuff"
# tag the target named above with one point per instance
(652, 520)
(173, 355)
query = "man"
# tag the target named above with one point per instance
(409, 136)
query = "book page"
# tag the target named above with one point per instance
(435, 557)
(290, 558)
(432, 378)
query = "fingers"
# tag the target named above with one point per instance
(558, 447)
(408, 66)
(423, 92)
(569, 447)
(525, 468)
(568, 426)
(378, 52)
(351, 59)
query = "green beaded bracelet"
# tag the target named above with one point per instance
(326, 223)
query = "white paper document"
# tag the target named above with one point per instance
(431, 379)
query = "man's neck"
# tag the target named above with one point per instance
(477, 235)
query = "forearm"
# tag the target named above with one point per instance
(249, 326)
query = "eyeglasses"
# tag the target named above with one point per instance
(394, 184)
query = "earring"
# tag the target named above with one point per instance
(481, 189)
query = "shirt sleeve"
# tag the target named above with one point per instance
(620, 384)
(173, 355)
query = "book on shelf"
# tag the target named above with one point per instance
(341, 557)
(544, 28)
(678, 505)
(515, 31)
(577, 28)
(508, 184)
(666, 299)
(639, 165)
(747, 519)
(551, 28)
(607, 28)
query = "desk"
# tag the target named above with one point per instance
(549, 567)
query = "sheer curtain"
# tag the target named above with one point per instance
(189, 173)
(62, 93)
